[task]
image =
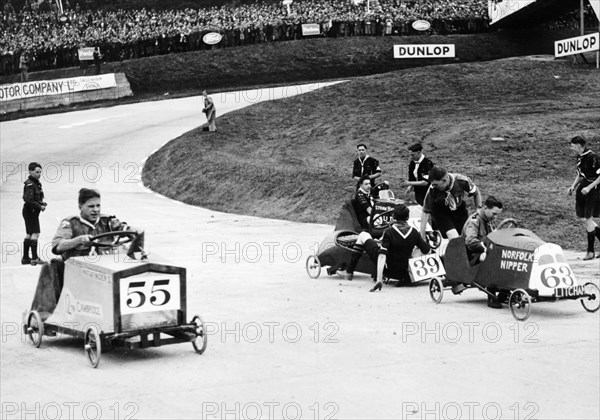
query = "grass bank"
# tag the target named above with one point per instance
(292, 158)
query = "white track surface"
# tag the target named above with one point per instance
(281, 345)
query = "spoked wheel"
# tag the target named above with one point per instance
(592, 302)
(93, 345)
(201, 340)
(35, 328)
(436, 289)
(520, 304)
(313, 267)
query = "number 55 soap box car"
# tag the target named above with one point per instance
(520, 267)
(111, 300)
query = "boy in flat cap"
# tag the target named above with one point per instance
(587, 193)
(418, 173)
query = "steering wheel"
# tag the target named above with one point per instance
(121, 237)
(508, 223)
(434, 238)
(384, 223)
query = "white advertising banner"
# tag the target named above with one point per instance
(86, 54)
(577, 45)
(596, 6)
(40, 88)
(424, 51)
(500, 9)
(311, 29)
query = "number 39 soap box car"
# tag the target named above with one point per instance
(335, 250)
(111, 300)
(520, 267)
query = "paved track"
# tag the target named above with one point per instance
(281, 345)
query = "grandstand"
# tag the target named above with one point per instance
(51, 39)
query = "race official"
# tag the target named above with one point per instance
(445, 202)
(587, 193)
(33, 197)
(210, 111)
(418, 173)
(73, 236)
(365, 165)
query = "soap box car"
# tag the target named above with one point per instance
(520, 267)
(110, 300)
(335, 250)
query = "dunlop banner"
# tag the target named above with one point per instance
(424, 51)
(577, 45)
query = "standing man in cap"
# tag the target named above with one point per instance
(210, 111)
(587, 193)
(33, 196)
(418, 173)
(365, 165)
(445, 202)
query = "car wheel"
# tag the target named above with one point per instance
(436, 289)
(93, 345)
(313, 267)
(591, 303)
(201, 340)
(35, 328)
(520, 304)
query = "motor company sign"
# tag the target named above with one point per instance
(424, 51)
(577, 45)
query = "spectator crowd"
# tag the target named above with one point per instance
(51, 39)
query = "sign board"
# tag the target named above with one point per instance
(311, 29)
(498, 10)
(86, 53)
(424, 51)
(426, 267)
(421, 25)
(212, 38)
(577, 45)
(40, 88)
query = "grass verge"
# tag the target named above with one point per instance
(292, 158)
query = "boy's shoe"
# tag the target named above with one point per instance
(589, 256)
(25, 261)
(458, 289)
(494, 303)
(37, 261)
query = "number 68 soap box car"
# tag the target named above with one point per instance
(111, 300)
(520, 267)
